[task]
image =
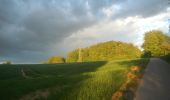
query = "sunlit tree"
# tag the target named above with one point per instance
(55, 59)
(110, 50)
(156, 43)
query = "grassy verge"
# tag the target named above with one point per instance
(74, 81)
(128, 88)
(166, 58)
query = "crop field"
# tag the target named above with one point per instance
(70, 81)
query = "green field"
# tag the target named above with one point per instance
(72, 81)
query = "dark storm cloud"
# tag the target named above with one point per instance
(37, 25)
(30, 29)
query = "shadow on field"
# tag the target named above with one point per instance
(58, 79)
(71, 76)
(61, 70)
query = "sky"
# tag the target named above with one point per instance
(33, 30)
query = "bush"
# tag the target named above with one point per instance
(7, 62)
(55, 59)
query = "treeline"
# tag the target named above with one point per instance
(54, 60)
(111, 50)
(156, 44)
(105, 51)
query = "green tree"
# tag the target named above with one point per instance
(156, 43)
(165, 47)
(110, 50)
(72, 56)
(55, 59)
(8, 62)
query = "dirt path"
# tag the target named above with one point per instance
(43, 94)
(23, 74)
(155, 84)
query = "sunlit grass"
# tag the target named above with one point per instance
(74, 81)
(101, 84)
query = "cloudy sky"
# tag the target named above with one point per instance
(33, 30)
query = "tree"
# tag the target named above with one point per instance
(110, 50)
(72, 56)
(55, 59)
(8, 62)
(165, 46)
(156, 43)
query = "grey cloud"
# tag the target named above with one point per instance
(38, 25)
(141, 8)
(35, 28)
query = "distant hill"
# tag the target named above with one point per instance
(111, 50)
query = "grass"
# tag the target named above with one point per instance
(73, 81)
(166, 58)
